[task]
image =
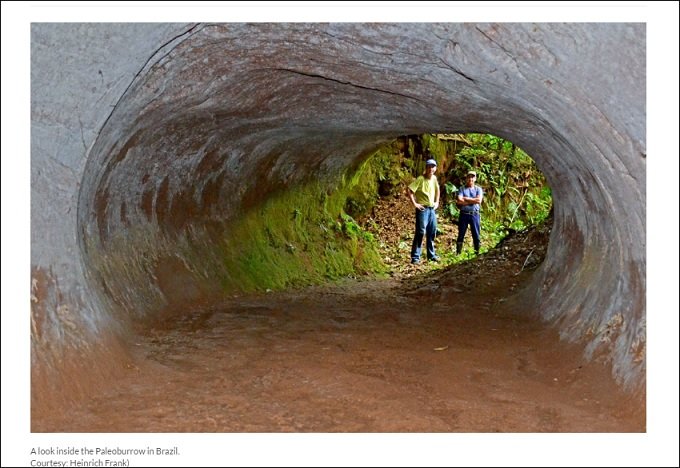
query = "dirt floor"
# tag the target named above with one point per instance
(425, 350)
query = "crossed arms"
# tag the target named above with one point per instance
(463, 201)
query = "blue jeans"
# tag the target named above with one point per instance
(471, 219)
(426, 223)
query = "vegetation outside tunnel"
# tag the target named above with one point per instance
(516, 193)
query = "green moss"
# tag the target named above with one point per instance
(299, 237)
(384, 173)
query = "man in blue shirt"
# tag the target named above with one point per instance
(469, 199)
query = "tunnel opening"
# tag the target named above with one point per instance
(516, 194)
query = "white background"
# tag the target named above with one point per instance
(658, 447)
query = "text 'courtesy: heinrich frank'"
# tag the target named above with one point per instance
(98, 456)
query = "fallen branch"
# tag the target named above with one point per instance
(525, 262)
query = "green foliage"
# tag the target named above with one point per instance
(494, 231)
(516, 194)
(450, 208)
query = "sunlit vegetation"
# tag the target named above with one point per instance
(516, 194)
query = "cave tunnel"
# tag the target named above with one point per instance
(149, 142)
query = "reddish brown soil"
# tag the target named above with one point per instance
(420, 352)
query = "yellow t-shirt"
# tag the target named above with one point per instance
(424, 190)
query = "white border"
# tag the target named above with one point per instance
(657, 447)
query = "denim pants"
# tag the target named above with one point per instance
(426, 223)
(471, 219)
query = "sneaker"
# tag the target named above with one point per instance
(415, 261)
(434, 259)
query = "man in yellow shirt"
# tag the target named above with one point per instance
(424, 195)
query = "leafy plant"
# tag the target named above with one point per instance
(516, 194)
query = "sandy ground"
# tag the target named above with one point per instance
(414, 353)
